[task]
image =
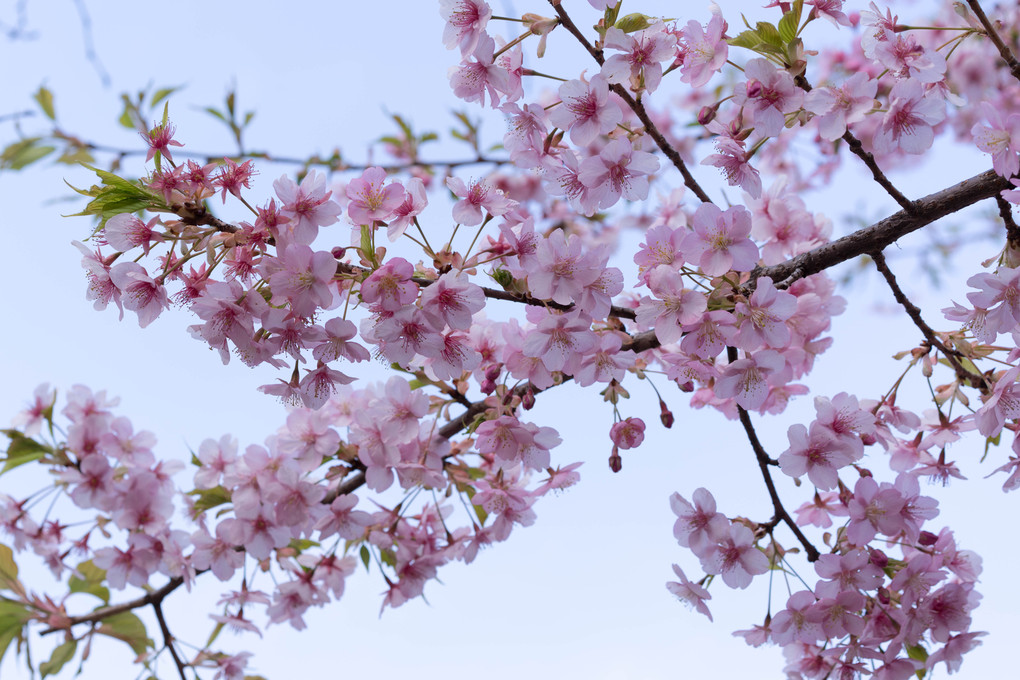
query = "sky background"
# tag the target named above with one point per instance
(579, 594)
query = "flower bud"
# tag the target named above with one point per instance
(665, 415)
(615, 462)
(878, 558)
(493, 371)
(487, 386)
(528, 399)
(338, 253)
(927, 538)
(707, 114)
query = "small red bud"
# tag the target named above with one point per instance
(528, 400)
(706, 115)
(338, 253)
(878, 558)
(615, 462)
(493, 371)
(927, 538)
(665, 415)
(487, 386)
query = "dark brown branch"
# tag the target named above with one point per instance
(952, 356)
(635, 105)
(1012, 230)
(1004, 51)
(168, 640)
(885, 232)
(155, 597)
(764, 461)
(333, 164)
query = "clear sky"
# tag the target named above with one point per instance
(581, 593)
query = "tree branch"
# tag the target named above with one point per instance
(155, 597)
(763, 466)
(635, 105)
(885, 232)
(952, 356)
(168, 639)
(1004, 51)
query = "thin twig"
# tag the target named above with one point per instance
(168, 639)
(635, 105)
(1004, 51)
(764, 461)
(952, 356)
(156, 596)
(857, 149)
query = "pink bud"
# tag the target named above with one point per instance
(615, 462)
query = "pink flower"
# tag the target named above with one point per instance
(734, 161)
(125, 231)
(673, 306)
(585, 110)
(415, 200)
(308, 205)
(302, 277)
(465, 23)
(769, 95)
(139, 292)
(451, 301)
(907, 124)
(640, 65)
(561, 269)
(702, 53)
(736, 558)
(839, 107)
(160, 138)
(234, 177)
(719, 242)
(621, 169)
(819, 455)
(747, 380)
(698, 526)
(628, 433)
(479, 195)
(1001, 139)
(690, 593)
(471, 81)
(369, 200)
(390, 286)
(763, 317)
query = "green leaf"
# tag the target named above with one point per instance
(213, 112)
(128, 628)
(61, 655)
(634, 22)
(214, 634)
(22, 450)
(788, 27)
(8, 568)
(161, 94)
(45, 100)
(302, 544)
(76, 156)
(747, 39)
(769, 34)
(24, 152)
(209, 498)
(116, 196)
(91, 581)
(13, 618)
(365, 556)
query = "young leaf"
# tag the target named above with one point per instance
(22, 450)
(90, 581)
(45, 100)
(13, 617)
(129, 628)
(61, 655)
